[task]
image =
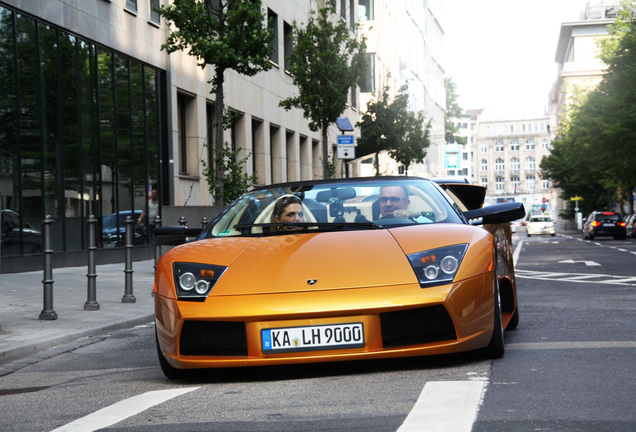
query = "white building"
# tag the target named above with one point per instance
(404, 41)
(507, 159)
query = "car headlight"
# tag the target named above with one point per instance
(437, 266)
(195, 281)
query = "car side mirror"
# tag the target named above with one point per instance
(496, 213)
(174, 235)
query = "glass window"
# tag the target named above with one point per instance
(530, 144)
(288, 43)
(154, 5)
(514, 164)
(514, 145)
(499, 165)
(499, 146)
(367, 81)
(530, 164)
(89, 133)
(484, 165)
(365, 10)
(131, 5)
(273, 25)
(514, 183)
(530, 183)
(500, 184)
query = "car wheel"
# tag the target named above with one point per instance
(495, 348)
(169, 371)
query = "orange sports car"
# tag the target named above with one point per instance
(335, 270)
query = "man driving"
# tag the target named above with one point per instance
(394, 201)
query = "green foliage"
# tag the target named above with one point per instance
(594, 155)
(325, 62)
(237, 182)
(453, 110)
(388, 125)
(228, 34)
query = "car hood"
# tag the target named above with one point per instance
(320, 261)
(308, 262)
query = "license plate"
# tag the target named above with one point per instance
(312, 338)
(608, 225)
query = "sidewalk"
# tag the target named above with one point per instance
(23, 334)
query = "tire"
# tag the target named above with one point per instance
(495, 348)
(169, 371)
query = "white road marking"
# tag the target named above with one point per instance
(122, 410)
(445, 406)
(570, 345)
(587, 263)
(577, 277)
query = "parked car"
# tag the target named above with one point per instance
(404, 274)
(14, 243)
(630, 226)
(604, 223)
(540, 225)
(517, 225)
(114, 229)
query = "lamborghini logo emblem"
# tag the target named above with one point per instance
(312, 282)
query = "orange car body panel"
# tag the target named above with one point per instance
(360, 274)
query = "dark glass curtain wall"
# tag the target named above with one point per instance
(80, 132)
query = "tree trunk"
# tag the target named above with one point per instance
(218, 144)
(325, 152)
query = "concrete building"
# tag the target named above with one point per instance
(507, 159)
(459, 159)
(95, 115)
(404, 41)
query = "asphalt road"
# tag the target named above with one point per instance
(568, 367)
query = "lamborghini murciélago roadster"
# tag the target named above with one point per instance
(335, 270)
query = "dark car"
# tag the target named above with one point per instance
(604, 223)
(114, 229)
(14, 242)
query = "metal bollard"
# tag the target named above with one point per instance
(157, 247)
(91, 289)
(128, 272)
(47, 312)
(204, 222)
(183, 221)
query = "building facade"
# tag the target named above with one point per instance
(96, 115)
(507, 158)
(404, 44)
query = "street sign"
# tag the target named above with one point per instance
(346, 147)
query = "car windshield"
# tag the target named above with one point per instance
(350, 204)
(541, 219)
(611, 217)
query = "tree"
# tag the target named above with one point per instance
(325, 62)
(594, 155)
(453, 110)
(388, 125)
(228, 34)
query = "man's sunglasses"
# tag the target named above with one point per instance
(394, 200)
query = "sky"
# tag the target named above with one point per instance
(500, 53)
